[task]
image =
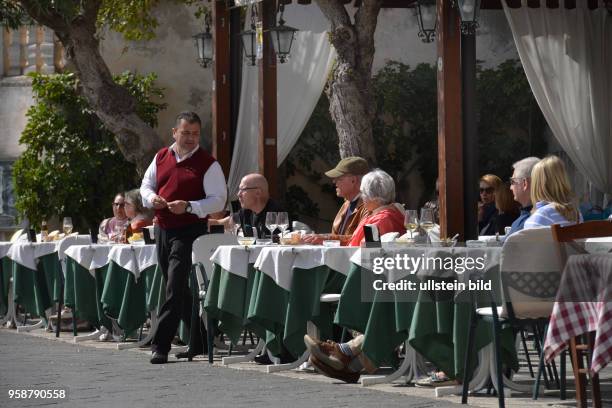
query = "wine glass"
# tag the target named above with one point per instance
(427, 221)
(411, 221)
(67, 225)
(271, 218)
(235, 223)
(119, 232)
(282, 221)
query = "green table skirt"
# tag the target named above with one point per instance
(112, 292)
(279, 316)
(5, 276)
(436, 326)
(36, 290)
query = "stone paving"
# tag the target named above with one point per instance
(95, 374)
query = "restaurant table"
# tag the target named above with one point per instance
(435, 323)
(36, 269)
(275, 291)
(110, 280)
(583, 305)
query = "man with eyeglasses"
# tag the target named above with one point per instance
(106, 232)
(255, 203)
(520, 184)
(184, 184)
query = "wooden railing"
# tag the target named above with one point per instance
(30, 49)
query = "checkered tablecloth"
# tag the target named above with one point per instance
(584, 304)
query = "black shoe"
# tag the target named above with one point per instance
(263, 359)
(159, 358)
(186, 354)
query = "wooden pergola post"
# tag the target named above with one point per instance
(267, 100)
(450, 143)
(221, 103)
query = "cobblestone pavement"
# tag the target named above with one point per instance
(106, 378)
(95, 374)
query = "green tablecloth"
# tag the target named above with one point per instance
(277, 315)
(36, 290)
(83, 293)
(227, 300)
(436, 327)
(112, 292)
(5, 276)
(125, 299)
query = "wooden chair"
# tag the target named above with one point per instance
(581, 346)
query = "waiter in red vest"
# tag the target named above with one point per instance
(184, 184)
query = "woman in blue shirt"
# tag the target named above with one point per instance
(552, 194)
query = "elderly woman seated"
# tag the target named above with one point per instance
(378, 193)
(139, 216)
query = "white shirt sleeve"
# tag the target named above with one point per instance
(216, 192)
(148, 187)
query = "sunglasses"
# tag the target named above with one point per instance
(120, 205)
(488, 190)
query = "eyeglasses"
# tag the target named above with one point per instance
(488, 190)
(242, 190)
(120, 205)
(515, 180)
(188, 133)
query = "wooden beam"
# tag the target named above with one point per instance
(221, 104)
(450, 144)
(267, 100)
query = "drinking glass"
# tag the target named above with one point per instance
(411, 221)
(282, 221)
(271, 223)
(427, 221)
(119, 232)
(67, 225)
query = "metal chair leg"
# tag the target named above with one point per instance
(466, 359)
(500, 380)
(527, 357)
(536, 385)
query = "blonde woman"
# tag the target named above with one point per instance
(552, 194)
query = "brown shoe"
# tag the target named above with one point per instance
(328, 352)
(344, 374)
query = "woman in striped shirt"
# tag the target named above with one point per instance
(552, 194)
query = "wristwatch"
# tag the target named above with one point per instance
(188, 208)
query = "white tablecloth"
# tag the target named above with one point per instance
(4, 248)
(134, 258)
(278, 262)
(27, 253)
(236, 258)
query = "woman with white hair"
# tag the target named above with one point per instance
(378, 193)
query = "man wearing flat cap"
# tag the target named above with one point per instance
(346, 176)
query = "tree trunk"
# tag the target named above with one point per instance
(349, 88)
(112, 103)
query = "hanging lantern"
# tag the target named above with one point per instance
(427, 20)
(468, 11)
(204, 44)
(282, 36)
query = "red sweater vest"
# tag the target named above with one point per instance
(180, 181)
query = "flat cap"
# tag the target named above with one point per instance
(349, 165)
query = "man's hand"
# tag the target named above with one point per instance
(159, 202)
(177, 207)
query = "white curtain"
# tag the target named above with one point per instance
(567, 57)
(300, 82)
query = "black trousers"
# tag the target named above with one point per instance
(174, 248)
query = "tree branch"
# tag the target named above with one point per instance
(46, 17)
(342, 33)
(366, 19)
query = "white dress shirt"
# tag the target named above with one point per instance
(214, 186)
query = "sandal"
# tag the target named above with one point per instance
(436, 379)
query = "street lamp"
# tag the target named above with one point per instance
(204, 44)
(249, 39)
(427, 21)
(468, 10)
(282, 36)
